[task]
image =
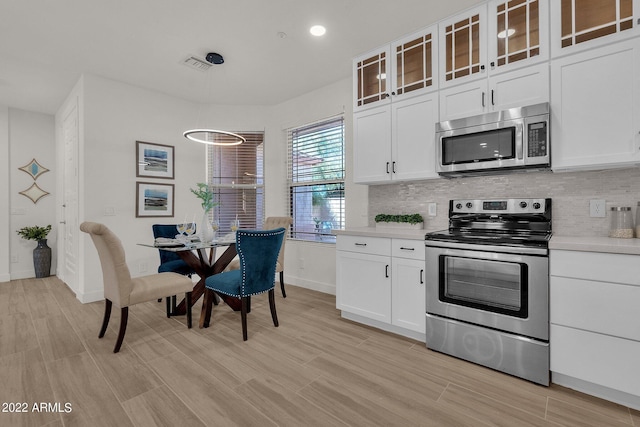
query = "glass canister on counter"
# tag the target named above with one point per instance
(621, 222)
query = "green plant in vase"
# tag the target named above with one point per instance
(206, 196)
(42, 252)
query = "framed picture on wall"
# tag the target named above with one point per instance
(154, 200)
(154, 160)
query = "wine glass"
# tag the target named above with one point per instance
(235, 224)
(215, 226)
(191, 228)
(181, 228)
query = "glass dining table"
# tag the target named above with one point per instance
(202, 258)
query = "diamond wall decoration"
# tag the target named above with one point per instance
(34, 169)
(34, 192)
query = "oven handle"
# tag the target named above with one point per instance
(386, 271)
(488, 248)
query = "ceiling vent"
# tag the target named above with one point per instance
(199, 64)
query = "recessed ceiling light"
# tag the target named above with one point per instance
(317, 30)
(506, 33)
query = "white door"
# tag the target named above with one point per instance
(372, 145)
(408, 299)
(69, 227)
(363, 285)
(414, 132)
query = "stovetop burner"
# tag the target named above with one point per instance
(506, 222)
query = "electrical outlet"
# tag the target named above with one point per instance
(14, 258)
(301, 264)
(142, 267)
(597, 208)
(432, 209)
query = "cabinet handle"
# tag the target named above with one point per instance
(407, 249)
(386, 270)
(393, 167)
(483, 98)
(422, 277)
(360, 244)
(387, 167)
(492, 103)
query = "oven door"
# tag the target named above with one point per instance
(503, 291)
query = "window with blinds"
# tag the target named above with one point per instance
(235, 173)
(316, 179)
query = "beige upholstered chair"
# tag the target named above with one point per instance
(271, 223)
(122, 290)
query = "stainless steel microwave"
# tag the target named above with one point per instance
(509, 140)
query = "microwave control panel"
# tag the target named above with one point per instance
(537, 139)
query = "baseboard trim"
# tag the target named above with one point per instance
(309, 284)
(596, 390)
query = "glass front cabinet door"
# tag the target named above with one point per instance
(518, 33)
(396, 71)
(370, 79)
(463, 46)
(583, 24)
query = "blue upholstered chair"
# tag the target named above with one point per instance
(170, 262)
(258, 252)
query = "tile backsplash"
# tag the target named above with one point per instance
(571, 193)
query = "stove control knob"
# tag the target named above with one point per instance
(523, 205)
(536, 205)
(458, 205)
(469, 205)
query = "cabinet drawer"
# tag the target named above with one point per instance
(407, 248)
(607, 308)
(364, 245)
(616, 268)
(599, 359)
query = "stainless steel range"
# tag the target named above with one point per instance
(487, 285)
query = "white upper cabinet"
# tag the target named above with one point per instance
(396, 109)
(463, 47)
(595, 108)
(518, 33)
(580, 25)
(397, 71)
(501, 62)
(370, 72)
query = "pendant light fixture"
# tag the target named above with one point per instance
(214, 136)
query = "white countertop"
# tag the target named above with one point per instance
(398, 233)
(569, 243)
(596, 244)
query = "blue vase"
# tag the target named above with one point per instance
(42, 259)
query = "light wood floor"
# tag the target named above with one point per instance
(315, 369)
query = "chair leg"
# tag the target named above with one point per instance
(124, 317)
(168, 306)
(105, 320)
(272, 306)
(173, 303)
(284, 294)
(159, 299)
(215, 299)
(187, 298)
(249, 304)
(206, 307)
(243, 312)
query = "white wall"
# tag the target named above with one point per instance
(31, 135)
(309, 264)
(5, 205)
(116, 116)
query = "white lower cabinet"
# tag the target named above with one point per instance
(595, 321)
(382, 279)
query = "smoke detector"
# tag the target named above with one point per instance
(200, 64)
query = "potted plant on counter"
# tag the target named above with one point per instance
(412, 221)
(42, 252)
